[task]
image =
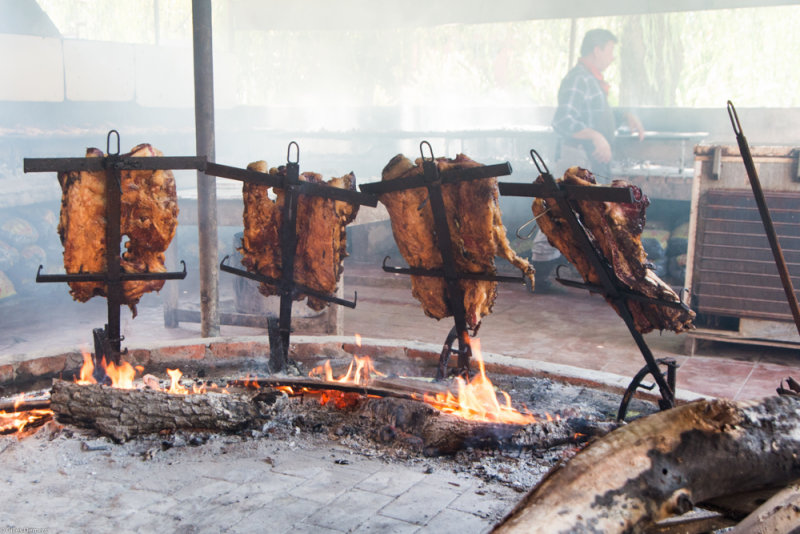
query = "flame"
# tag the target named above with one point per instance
(477, 399)
(359, 372)
(176, 387)
(87, 370)
(121, 375)
(17, 421)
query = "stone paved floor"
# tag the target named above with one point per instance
(53, 482)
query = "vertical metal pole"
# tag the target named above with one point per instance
(206, 185)
(113, 261)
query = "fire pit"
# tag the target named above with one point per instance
(303, 455)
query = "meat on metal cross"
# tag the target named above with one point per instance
(432, 179)
(107, 340)
(288, 288)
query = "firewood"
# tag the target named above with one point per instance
(125, 413)
(662, 464)
(779, 515)
(444, 434)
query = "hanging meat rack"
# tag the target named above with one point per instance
(108, 340)
(609, 287)
(280, 330)
(433, 180)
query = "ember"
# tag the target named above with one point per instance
(16, 421)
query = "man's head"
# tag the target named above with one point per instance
(598, 47)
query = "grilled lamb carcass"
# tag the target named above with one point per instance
(321, 234)
(149, 217)
(615, 230)
(476, 230)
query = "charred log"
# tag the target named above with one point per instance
(662, 464)
(125, 413)
(444, 434)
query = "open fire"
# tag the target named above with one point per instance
(475, 400)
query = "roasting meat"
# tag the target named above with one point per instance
(321, 237)
(615, 230)
(476, 229)
(149, 217)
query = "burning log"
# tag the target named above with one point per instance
(444, 434)
(663, 464)
(125, 413)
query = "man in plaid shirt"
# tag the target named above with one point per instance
(584, 120)
(585, 124)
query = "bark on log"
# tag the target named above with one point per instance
(444, 434)
(779, 515)
(125, 413)
(662, 464)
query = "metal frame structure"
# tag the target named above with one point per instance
(609, 287)
(107, 340)
(288, 288)
(434, 180)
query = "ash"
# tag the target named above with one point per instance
(305, 468)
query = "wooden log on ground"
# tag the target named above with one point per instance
(125, 413)
(779, 515)
(662, 464)
(444, 434)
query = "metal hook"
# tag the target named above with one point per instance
(422, 152)
(737, 127)
(289, 152)
(536, 160)
(530, 234)
(108, 143)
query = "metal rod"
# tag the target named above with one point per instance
(103, 277)
(446, 177)
(113, 259)
(288, 250)
(769, 227)
(206, 185)
(628, 294)
(445, 245)
(439, 273)
(575, 192)
(304, 188)
(298, 288)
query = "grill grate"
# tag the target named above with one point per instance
(736, 273)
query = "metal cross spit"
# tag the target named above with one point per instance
(107, 340)
(433, 180)
(293, 187)
(614, 293)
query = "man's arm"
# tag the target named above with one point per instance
(568, 122)
(602, 149)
